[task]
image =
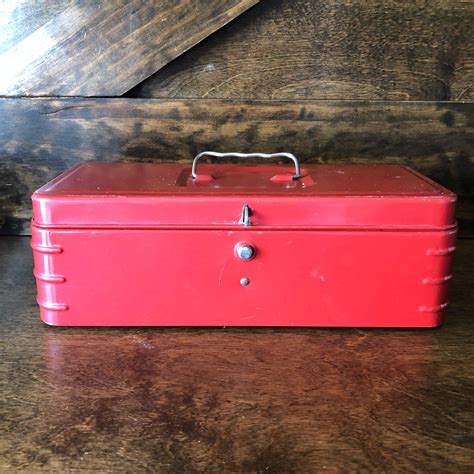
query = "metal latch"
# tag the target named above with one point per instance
(246, 213)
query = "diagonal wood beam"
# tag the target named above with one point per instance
(100, 48)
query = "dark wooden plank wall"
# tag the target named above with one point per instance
(100, 48)
(42, 137)
(331, 49)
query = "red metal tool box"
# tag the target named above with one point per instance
(130, 244)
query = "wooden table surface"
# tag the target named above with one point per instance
(233, 400)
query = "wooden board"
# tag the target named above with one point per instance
(233, 400)
(99, 48)
(42, 137)
(333, 49)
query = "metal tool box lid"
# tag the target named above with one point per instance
(165, 195)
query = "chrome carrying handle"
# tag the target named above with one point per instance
(216, 154)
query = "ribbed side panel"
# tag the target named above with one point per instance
(48, 281)
(439, 274)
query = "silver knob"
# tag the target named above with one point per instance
(244, 251)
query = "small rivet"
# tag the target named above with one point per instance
(244, 281)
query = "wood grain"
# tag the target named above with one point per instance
(336, 49)
(233, 400)
(42, 137)
(100, 48)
